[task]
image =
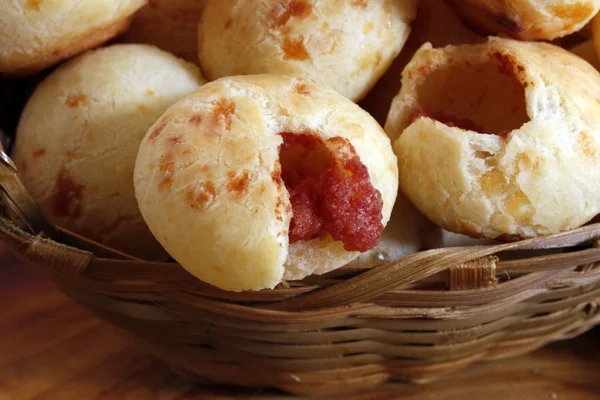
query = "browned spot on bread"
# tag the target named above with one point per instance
(173, 140)
(222, 112)
(76, 100)
(153, 4)
(284, 10)
(33, 4)
(150, 92)
(238, 183)
(279, 207)
(67, 197)
(301, 88)
(166, 168)
(276, 175)
(575, 12)
(359, 3)
(39, 152)
(586, 145)
(505, 63)
(294, 48)
(228, 23)
(70, 155)
(201, 196)
(196, 119)
(142, 108)
(157, 130)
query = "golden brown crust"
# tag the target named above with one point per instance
(526, 19)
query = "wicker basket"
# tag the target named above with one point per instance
(359, 326)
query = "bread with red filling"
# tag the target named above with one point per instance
(254, 179)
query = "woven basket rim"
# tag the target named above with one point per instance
(413, 319)
(364, 282)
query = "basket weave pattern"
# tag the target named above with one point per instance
(412, 320)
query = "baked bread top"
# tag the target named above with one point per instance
(212, 181)
(35, 34)
(79, 134)
(346, 45)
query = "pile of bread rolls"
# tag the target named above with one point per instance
(259, 155)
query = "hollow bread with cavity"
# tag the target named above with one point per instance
(213, 179)
(499, 140)
(435, 23)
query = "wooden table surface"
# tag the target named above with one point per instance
(51, 348)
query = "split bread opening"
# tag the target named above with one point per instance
(499, 140)
(254, 179)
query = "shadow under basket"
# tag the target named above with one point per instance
(359, 326)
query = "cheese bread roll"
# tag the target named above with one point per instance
(79, 134)
(346, 45)
(35, 34)
(499, 140)
(254, 179)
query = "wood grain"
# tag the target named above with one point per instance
(51, 348)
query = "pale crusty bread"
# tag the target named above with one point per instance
(535, 171)
(171, 25)
(527, 19)
(207, 178)
(79, 133)
(344, 44)
(35, 34)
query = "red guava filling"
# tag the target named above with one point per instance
(330, 195)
